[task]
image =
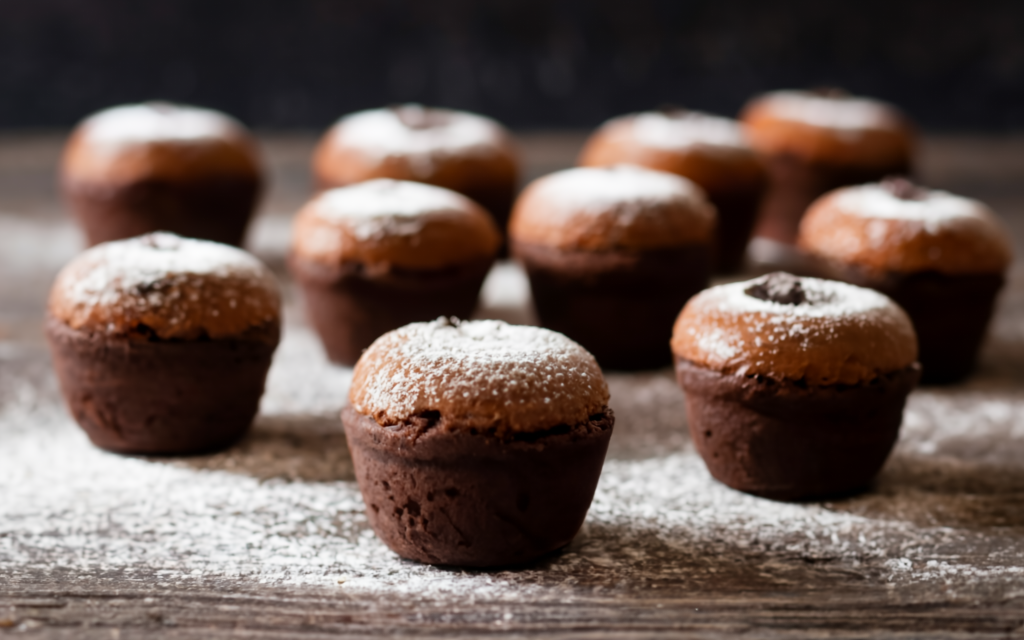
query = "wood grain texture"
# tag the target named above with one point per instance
(268, 539)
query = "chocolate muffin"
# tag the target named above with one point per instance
(148, 167)
(612, 255)
(710, 150)
(795, 387)
(816, 142)
(940, 256)
(378, 255)
(457, 150)
(477, 444)
(162, 344)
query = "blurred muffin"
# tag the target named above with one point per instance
(156, 166)
(461, 151)
(378, 255)
(479, 443)
(941, 257)
(816, 142)
(710, 150)
(795, 387)
(612, 255)
(162, 344)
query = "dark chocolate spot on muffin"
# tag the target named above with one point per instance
(778, 287)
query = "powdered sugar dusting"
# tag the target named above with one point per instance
(898, 227)
(840, 333)
(128, 267)
(487, 372)
(831, 112)
(685, 129)
(380, 133)
(658, 524)
(166, 277)
(934, 209)
(826, 299)
(386, 207)
(158, 122)
(598, 189)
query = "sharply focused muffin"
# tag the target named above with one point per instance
(710, 150)
(818, 141)
(795, 387)
(378, 255)
(942, 257)
(477, 443)
(461, 151)
(162, 344)
(156, 166)
(612, 254)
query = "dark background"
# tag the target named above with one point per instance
(532, 64)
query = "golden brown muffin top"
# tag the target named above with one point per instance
(783, 327)
(166, 286)
(832, 128)
(395, 222)
(896, 226)
(444, 147)
(710, 150)
(158, 140)
(608, 208)
(484, 375)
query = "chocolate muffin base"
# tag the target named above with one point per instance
(796, 183)
(351, 306)
(133, 395)
(737, 213)
(620, 306)
(790, 441)
(215, 209)
(442, 494)
(951, 313)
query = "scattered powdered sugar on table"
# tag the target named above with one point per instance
(945, 512)
(158, 121)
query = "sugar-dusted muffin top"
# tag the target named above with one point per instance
(485, 375)
(412, 142)
(607, 208)
(831, 128)
(166, 287)
(896, 226)
(395, 222)
(158, 140)
(710, 150)
(821, 332)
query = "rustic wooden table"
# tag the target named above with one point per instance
(269, 539)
